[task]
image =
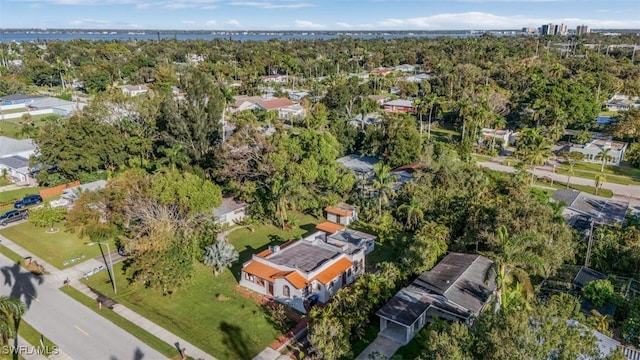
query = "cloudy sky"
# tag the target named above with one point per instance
(317, 14)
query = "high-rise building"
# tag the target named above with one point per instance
(563, 30)
(529, 30)
(547, 29)
(582, 30)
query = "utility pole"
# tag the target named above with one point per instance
(586, 259)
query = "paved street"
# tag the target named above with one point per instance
(625, 193)
(77, 330)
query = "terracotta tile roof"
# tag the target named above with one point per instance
(264, 253)
(296, 280)
(334, 210)
(334, 270)
(261, 270)
(329, 227)
(276, 103)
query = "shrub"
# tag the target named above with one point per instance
(599, 292)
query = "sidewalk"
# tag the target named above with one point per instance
(76, 272)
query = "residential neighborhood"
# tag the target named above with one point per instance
(313, 193)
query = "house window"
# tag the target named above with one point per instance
(286, 291)
(362, 264)
(331, 284)
(249, 277)
(349, 272)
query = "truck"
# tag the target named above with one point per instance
(13, 216)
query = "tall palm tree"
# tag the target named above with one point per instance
(509, 259)
(11, 311)
(604, 156)
(465, 110)
(433, 101)
(538, 154)
(382, 184)
(281, 190)
(420, 106)
(227, 96)
(571, 158)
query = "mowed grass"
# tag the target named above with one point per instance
(53, 248)
(7, 198)
(11, 130)
(210, 312)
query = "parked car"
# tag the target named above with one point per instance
(13, 216)
(27, 201)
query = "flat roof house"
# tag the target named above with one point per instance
(341, 213)
(134, 90)
(16, 99)
(453, 290)
(303, 272)
(362, 165)
(594, 147)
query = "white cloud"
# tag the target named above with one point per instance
(211, 23)
(143, 5)
(305, 24)
(88, 22)
(187, 4)
(345, 25)
(188, 22)
(35, 6)
(488, 21)
(270, 5)
(233, 22)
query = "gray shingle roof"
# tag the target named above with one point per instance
(228, 205)
(359, 163)
(456, 285)
(10, 146)
(15, 162)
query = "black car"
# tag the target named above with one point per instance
(27, 201)
(13, 216)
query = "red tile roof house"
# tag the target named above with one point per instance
(398, 106)
(341, 213)
(286, 108)
(299, 273)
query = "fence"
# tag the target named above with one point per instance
(58, 189)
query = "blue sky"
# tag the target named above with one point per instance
(317, 14)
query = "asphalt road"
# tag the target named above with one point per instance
(77, 330)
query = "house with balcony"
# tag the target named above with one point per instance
(303, 272)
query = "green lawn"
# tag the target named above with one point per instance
(210, 312)
(480, 157)
(4, 182)
(587, 189)
(10, 130)
(144, 336)
(13, 195)
(33, 337)
(443, 134)
(53, 248)
(13, 111)
(11, 255)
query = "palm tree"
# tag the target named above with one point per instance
(382, 184)
(281, 190)
(227, 97)
(537, 153)
(432, 100)
(511, 255)
(604, 156)
(420, 107)
(175, 156)
(367, 106)
(412, 212)
(220, 255)
(11, 311)
(499, 122)
(465, 109)
(599, 180)
(571, 158)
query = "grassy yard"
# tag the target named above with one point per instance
(144, 336)
(53, 248)
(210, 311)
(587, 189)
(4, 182)
(13, 195)
(13, 111)
(480, 157)
(32, 336)
(442, 134)
(10, 130)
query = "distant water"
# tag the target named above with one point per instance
(8, 36)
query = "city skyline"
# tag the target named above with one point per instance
(317, 15)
